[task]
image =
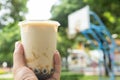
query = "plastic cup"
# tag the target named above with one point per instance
(39, 40)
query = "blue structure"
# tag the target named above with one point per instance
(99, 34)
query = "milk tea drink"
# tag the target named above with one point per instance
(39, 42)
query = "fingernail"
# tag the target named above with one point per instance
(57, 51)
(17, 44)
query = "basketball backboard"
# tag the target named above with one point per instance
(78, 21)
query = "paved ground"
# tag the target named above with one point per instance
(5, 76)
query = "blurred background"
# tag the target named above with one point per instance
(80, 60)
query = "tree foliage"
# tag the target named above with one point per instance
(8, 36)
(11, 12)
(107, 10)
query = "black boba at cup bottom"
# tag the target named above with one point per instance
(43, 75)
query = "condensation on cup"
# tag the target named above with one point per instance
(39, 40)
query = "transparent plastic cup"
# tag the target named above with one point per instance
(39, 40)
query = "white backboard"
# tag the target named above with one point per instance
(78, 21)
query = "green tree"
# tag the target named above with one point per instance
(8, 36)
(64, 44)
(107, 10)
(12, 11)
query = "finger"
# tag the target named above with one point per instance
(18, 57)
(25, 73)
(57, 62)
(52, 79)
(57, 65)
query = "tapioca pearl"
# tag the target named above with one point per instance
(37, 71)
(52, 71)
(44, 71)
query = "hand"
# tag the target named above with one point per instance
(22, 72)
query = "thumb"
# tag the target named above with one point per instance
(18, 57)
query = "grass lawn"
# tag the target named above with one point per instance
(74, 76)
(6, 79)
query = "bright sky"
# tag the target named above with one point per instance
(39, 9)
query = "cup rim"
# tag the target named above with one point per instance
(39, 22)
